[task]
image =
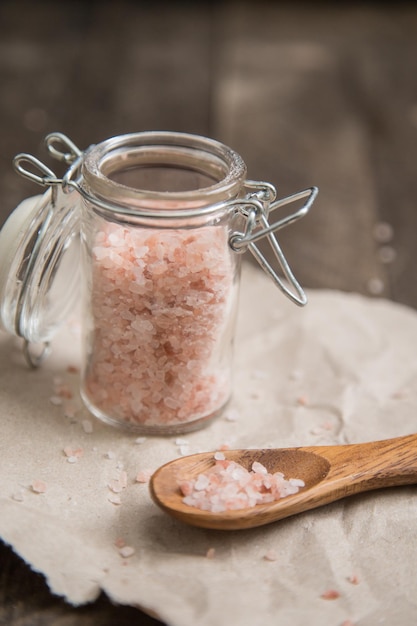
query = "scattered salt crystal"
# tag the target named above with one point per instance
(353, 579)
(375, 286)
(271, 555)
(18, 496)
(140, 440)
(383, 232)
(56, 400)
(330, 594)
(109, 455)
(184, 449)
(72, 459)
(181, 442)
(38, 486)
(73, 452)
(144, 476)
(120, 465)
(126, 551)
(211, 553)
(219, 456)
(87, 426)
(232, 415)
(114, 498)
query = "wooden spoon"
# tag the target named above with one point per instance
(329, 472)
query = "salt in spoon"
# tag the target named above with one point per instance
(329, 472)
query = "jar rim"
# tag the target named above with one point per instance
(203, 155)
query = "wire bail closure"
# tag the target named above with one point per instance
(260, 204)
(256, 207)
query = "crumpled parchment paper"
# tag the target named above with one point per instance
(342, 370)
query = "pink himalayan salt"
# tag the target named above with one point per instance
(228, 486)
(38, 486)
(161, 305)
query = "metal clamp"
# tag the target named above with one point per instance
(257, 227)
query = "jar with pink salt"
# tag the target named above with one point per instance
(162, 218)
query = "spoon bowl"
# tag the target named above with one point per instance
(330, 473)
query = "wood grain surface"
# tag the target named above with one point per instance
(308, 93)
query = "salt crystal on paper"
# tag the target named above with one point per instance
(127, 551)
(56, 400)
(232, 415)
(38, 486)
(271, 555)
(143, 476)
(114, 498)
(140, 440)
(330, 594)
(87, 426)
(219, 456)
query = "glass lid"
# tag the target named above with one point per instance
(39, 266)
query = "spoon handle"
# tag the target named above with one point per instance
(377, 464)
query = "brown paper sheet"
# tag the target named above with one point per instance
(344, 369)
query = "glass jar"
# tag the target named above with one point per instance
(163, 217)
(161, 280)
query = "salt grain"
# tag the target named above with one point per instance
(232, 415)
(87, 426)
(114, 498)
(330, 594)
(38, 486)
(184, 450)
(271, 555)
(144, 476)
(56, 400)
(126, 552)
(353, 579)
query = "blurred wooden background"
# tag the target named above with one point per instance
(308, 93)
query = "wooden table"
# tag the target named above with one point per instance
(312, 94)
